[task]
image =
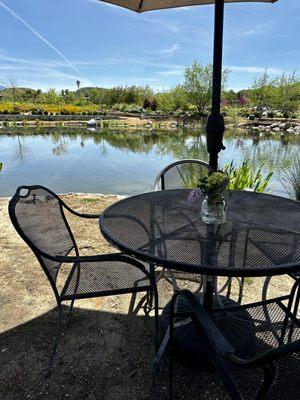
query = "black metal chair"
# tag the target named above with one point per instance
(269, 366)
(39, 217)
(185, 174)
(182, 174)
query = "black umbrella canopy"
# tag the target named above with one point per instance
(215, 126)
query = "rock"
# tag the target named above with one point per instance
(276, 129)
(285, 125)
(290, 130)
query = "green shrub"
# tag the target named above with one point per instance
(245, 177)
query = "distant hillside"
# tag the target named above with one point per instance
(20, 92)
(85, 91)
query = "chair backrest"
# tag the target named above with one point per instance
(182, 174)
(38, 216)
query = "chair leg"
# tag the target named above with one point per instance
(265, 288)
(132, 302)
(71, 307)
(171, 376)
(156, 317)
(241, 290)
(229, 282)
(75, 290)
(171, 346)
(58, 333)
(269, 375)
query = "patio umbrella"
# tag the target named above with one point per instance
(215, 126)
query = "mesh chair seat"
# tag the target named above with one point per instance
(286, 384)
(104, 276)
(259, 362)
(269, 333)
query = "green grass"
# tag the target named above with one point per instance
(90, 200)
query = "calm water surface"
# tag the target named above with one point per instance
(124, 162)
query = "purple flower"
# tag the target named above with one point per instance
(243, 100)
(194, 195)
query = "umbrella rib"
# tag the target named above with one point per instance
(140, 6)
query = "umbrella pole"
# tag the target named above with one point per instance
(215, 123)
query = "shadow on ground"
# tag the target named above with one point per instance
(101, 355)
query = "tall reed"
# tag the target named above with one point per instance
(245, 177)
(291, 179)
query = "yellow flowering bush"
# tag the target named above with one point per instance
(213, 184)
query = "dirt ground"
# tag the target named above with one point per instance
(105, 353)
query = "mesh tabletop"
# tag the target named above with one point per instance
(261, 236)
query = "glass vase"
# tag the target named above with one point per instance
(214, 210)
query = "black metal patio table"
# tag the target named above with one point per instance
(260, 238)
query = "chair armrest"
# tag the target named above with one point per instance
(81, 215)
(204, 322)
(89, 216)
(98, 258)
(267, 356)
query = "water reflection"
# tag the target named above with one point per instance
(114, 161)
(61, 144)
(21, 150)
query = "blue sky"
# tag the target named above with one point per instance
(52, 43)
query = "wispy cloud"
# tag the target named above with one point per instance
(172, 72)
(169, 51)
(173, 27)
(41, 37)
(40, 74)
(258, 29)
(253, 69)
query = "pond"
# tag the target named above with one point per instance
(125, 162)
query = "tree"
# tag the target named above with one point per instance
(262, 93)
(198, 84)
(180, 98)
(12, 84)
(51, 96)
(78, 83)
(230, 98)
(288, 93)
(165, 101)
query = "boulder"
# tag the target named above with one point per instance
(285, 125)
(290, 130)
